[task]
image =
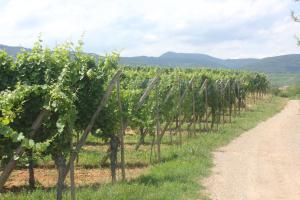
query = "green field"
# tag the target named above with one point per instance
(283, 79)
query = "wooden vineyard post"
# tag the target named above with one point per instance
(230, 103)
(206, 106)
(235, 98)
(163, 131)
(171, 136)
(181, 99)
(239, 99)
(194, 111)
(160, 133)
(225, 87)
(122, 132)
(200, 93)
(157, 122)
(177, 113)
(179, 117)
(219, 112)
(177, 106)
(221, 106)
(113, 157)
(223, 102)
(171, 91)
(31, 180)
(72, 172)
(31, 170)
(141, 101)
(199, 123)
(167, 124)
(245, 103)
(89, 127)
(77, 140)
(146, 93)
(152, 151)
(190, 120)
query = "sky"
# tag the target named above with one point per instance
(221, 28)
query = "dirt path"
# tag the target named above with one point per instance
(264, 163)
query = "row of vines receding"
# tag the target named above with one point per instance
(51, 100)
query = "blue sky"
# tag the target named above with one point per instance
(222, 28)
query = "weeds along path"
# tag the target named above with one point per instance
(261, 164)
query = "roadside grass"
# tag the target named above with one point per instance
(182, 169)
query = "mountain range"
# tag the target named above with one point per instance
(278, 64)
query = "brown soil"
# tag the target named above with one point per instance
(47, 177)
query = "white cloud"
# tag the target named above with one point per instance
(225, 28)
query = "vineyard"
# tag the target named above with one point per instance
(59, 107)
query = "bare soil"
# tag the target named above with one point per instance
(47, 177)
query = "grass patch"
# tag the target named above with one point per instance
(291, 92)
(178, 177)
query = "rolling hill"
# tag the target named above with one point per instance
(12, 50)
(278, 64)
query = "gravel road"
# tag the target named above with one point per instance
(263, 163)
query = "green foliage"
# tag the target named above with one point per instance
(178, 178)
(292, 91)
(63, 81)
(69, 85)
(7, 71)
